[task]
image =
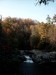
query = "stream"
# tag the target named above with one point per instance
(28, 67)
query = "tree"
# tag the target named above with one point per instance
(43, 1)
(0, 25)
(54, 18)
(48, 19)
(35, 37)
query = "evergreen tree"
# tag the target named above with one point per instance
(48, 19)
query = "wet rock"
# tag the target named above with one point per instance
(41, 57)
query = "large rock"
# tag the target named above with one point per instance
(41, 57)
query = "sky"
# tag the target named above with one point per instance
(27, 9)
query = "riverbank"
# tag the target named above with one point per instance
(37, 56)
(43, 57)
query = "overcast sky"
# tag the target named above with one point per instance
(27, 9)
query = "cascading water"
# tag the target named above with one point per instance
(28, 59)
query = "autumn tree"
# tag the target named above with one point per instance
(35, 37)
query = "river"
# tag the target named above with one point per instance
(28, 67)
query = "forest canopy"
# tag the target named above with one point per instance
(27, 34)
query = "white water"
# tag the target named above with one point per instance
(28, 59)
